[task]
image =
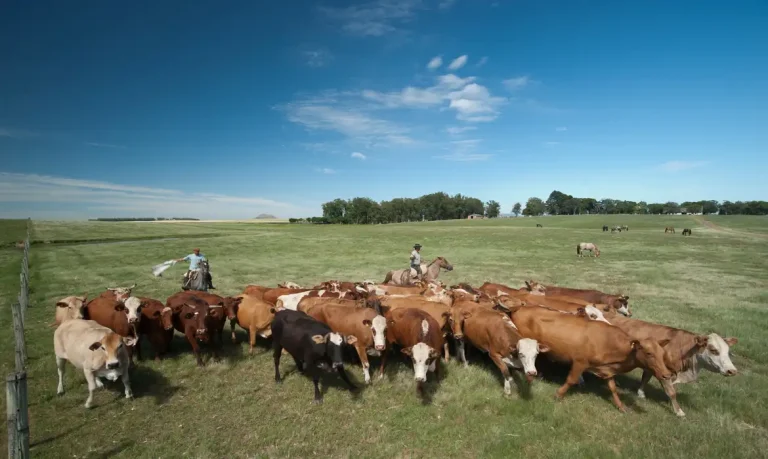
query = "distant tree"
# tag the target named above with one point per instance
(656, 208)
(516, 209)
(492, 209)
(671, 207)
(534, 206)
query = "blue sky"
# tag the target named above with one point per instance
(227, 110)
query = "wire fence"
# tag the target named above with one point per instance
(16, 383)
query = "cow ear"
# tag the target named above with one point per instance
(318, 339)
(446, 314)
(634, 344)
(702, 341)
(467, 314)
(95, 346)
(119, 307)
(626, 297)
(433, 353)
(543, 348)
(663, 342)
(129, 341)
(731, 341)
(606, 308)
(407, 351)
(367, 323)
(581, 312)
(351, 339)
(272, 310)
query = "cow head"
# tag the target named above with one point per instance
(331, 343)
(593, 313)
(716, 356)
(193, 316)
(456, 318)
(535, 288)
(526, 352)
(289, 285)
(110, 345)
(378, 328)
(132, 309)
(650, 354)
(122, 293)
(73, 305)
(231, 305)
(621, 305)
(423, 357)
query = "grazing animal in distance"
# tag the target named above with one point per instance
(538, 225)
(669, 229)
(605, 227)
(580, 248)
(686, 231)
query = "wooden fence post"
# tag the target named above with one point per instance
(18, 334)
(17, 416)
(23, 297)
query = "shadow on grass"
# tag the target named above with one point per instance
(147, 382)
(397, 360)
(478, 358)
(57, 436)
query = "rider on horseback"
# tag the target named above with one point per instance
(194, 263)
(416, 261)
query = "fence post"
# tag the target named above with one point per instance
(23, 297)
(17, 416)
(18, 334)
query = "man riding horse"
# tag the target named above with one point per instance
(195, 260)
(416, 261)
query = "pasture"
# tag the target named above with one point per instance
(715, 280)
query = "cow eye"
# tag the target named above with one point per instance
(189, 315)
(714, 351)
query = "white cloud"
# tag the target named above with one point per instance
(561, 129)
(677, 166)
(446, 4)
(465, 151)
(358, 155)
(456, 130)
(375, 18)
(514, 84)
(483, 60)
(435, 63)
(458, 63)
(317, 57)
(88, 199)
(326, 170)
(104, 145)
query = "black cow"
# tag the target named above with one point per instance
(311, 343)
(605, 227)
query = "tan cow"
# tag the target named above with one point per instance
(69, 308)
(420, 338)
(618, 302)
(256, 290)
(95, 349)
(254, 315)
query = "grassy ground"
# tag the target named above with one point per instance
(715, 280)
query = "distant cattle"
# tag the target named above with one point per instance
(311, 343)
(95, 349)
(70, 308)
(419, 337)
(687, 232)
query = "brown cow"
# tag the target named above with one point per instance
(572, 307)
(493, 332)
(254, 315)
(121, 317)
(291, 300)
(69, 308)
(117, 293)
(157, 325)
(366, 325)
(496, 290)
(589, 345)
(386, 289)
(191, 318)
(440, 312)
(683, 355)
(420, 338)
(217, 317)
(271, 295)
(618, 302)
(256, 291)
(306, 304)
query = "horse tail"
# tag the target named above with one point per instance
(388, 277)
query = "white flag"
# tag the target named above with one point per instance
(157, 270)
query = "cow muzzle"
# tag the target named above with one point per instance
(337, 365)
(380, 347)
(530, 375)
(113, 365)
(458, 336)
(730, 372)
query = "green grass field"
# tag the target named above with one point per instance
(715, 280)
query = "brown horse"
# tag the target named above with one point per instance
(408, 276)
(587, 246)
(669, 229)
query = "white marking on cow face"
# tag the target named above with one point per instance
(527, 350)
(508, 321)
(132, 306)
(420, 354)
(379, 330)
(424, 327)
(623, 310)
(716, 358)
(595, 314)
(335, 338)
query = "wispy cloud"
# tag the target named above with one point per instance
(458, 63)
(483, 60)
(325, 170)
(446, 4)
(677, 166)
(104, 145)
(435, 63)
(465, 157)
(317, 57)
(88, 198)
(373, 19)
(358, 155)
(14, 133)
(561, 129)
(456, 130)
(465, 151)
(517, 83)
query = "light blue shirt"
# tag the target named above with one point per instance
(194, 260)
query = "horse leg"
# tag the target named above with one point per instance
(388, 277)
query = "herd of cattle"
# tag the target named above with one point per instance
(588, 329)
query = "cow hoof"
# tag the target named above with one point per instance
(640, 393)
(680, 414)
(88, 406)
(60, 392)
(99, 384)
(318, 401)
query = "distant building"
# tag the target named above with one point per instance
(475, 217)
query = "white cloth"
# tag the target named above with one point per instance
(157, 270)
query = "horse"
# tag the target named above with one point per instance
(408, 276)
(580, 248)
(197, 280)
(686, 231)
(538, 225)
(625, 227)
(669, 229)
(605, 227)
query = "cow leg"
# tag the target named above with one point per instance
(345, 378)
(615, 394)
(383, 361)
(195, 347)
(299, 365)
(232, 329)
(672, 394)
(91, 378)
(643, 382)
(361, 354)
(251, 339)
(60, 363)
(138, 348)
(127, 384)
(277, 351)
(316, 382)
(445, 351)
(577, 368)
(460, 350)
(498, 360)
